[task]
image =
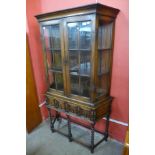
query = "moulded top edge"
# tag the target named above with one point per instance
(99, 8)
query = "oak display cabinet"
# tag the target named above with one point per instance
(77, 49)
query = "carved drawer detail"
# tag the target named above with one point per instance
(71, 108)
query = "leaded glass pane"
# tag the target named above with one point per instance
(53, 55)
(79, 49)
(104, 55)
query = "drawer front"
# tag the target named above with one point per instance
(56, 103)
(71, 108)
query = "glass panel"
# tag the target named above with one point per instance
(59, 81)
(53, 55)
(57, 63)
(85, 34)
(72, 35)
(104, 61)
(74, 62)
(74, 71)
(74, 84)
(85, 86)
(55, 37)
(105, 36)
(79, 44)
(56, 80)
(85, 63)
(104, 55)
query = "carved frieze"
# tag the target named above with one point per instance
(71, 108)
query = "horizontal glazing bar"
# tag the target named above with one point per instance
(52, 49)
(105, 49)
(79, 49)
(56, 70)
(77, 74)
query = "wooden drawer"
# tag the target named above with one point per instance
(70, 108)
(79, 110)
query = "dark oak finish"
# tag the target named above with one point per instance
(77, 48)
(86, 9)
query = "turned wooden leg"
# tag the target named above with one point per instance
(106, 134)
(57, 116)
(92, 137)
(52, 121)
(69, 129)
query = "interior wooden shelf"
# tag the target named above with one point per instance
(77, 74)
(88, 75)
(79, 49)
(52, 49)
(105, 49)
(103, 73)
(55, 70)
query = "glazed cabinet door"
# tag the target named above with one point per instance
(78, 50)
(52, 36)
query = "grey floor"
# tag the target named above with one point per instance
(42, 142)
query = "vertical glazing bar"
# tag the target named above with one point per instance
(62, 44)
(51, 46)
(79, 59)
(79, 65)
(66, 57)
(55, 78)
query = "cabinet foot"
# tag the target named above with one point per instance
(106, 135)
(92, 151)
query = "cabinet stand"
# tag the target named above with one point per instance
(69, 135)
